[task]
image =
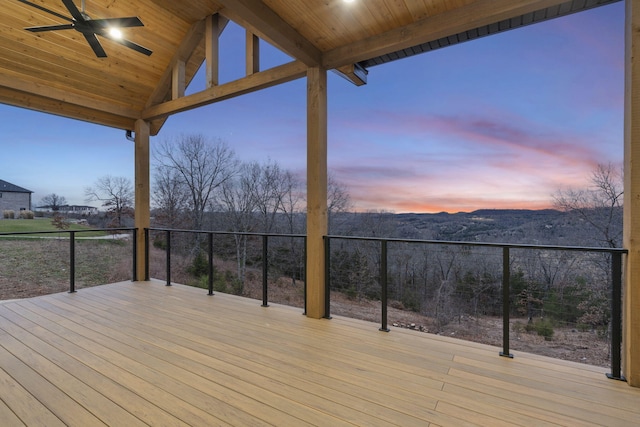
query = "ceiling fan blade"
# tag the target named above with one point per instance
(132, 45)
(131, 21)
(73, 10)
(44, 9)
(50, 28)
(95, 45)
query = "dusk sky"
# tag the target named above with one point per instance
(499, 122)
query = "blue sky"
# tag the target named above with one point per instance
(499, 122)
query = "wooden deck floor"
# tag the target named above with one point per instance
(132, 354)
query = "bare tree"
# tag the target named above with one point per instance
(446, 270)
(237, 200)
(291, 201)
(599, 205)
(53, 201)
(116, 194)
(292, 213)
(203, 165)
(269, 191)
(338, 200)
(170, 195)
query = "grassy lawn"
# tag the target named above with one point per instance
(41, 224)
(31, 267)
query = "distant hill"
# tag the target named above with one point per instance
(546, 226)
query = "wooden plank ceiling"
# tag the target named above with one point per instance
(57, 72)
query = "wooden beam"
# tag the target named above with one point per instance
(57, 95)
(317, 218)
(64, 109)
(256, 16)
(142, 193)
(264, 79)
(473, 15)
(631, 316)
(252, 53)
(178, 80)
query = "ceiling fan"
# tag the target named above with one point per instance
(91, 28)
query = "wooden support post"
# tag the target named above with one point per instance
(215, 25)
(317, 219)
(631, 316)
(142, 192)
(253, 53)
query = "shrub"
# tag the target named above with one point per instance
(219, 284)
(60, 222)
(543, 327)
(160, 243)
(199, 266)
(26, 214)
(8, 214)
(232, 283)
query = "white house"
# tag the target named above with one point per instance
(70, 209)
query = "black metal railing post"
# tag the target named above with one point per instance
(616, 316)
(210, 236)
(134, 276)
(383, 284)
(72, 262)
(168, 258)
(506, 279)
(304, 273)
(327, 278)
(147, 274)
(265, 270)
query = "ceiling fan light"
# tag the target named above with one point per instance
(115, 33)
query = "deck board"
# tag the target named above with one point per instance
(147, 354)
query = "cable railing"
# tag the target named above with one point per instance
(168, 233)
(507, 265)
(71, 236)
